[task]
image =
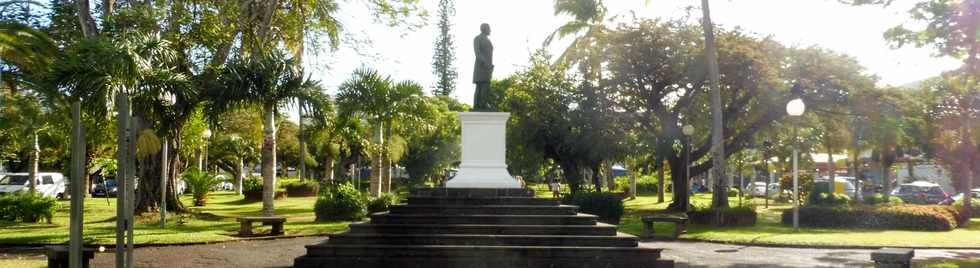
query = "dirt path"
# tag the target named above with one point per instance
(280, 253)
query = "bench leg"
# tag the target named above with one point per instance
(647, 230)
(277, 228)
(678, 230)
(246, 228)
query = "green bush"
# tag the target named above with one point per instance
(974, 207)
(644, 185)
(608, 206)
(27, 207)
(733, 216)
(830, 200)
(878, 199)
(252, 189)
(301, 188)
(342, 202)
(200, 183)
(732, 192)
(382, 203)
(896, 217)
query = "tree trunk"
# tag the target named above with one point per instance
(32, 171)
(376, 159)
(720, 197)
(85, 20)
(596, 177)
(327, 170)
(910, 164)
(385, 174)
(240, 175)
(681, 200)
(886, 182)
(573, 175)
(302, 143)
(78, 176)
(610, 177)
(269, 160)
(831, 165)
(660, 180)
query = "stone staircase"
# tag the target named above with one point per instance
(453, 227)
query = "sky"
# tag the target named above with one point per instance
(520, 27)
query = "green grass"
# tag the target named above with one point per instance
(945, 263)
(24, 262)
(212, 223)
(769, 230)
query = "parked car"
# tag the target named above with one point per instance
(759, 189)
(48, 184)
(842, 184)
(920, 192)
(107, 187)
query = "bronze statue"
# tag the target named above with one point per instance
(483, 68)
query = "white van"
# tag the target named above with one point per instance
(49, 184)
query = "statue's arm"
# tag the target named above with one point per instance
(482, 53)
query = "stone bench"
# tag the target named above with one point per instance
(893, 257)
(679, 221)
(58, 256)
(246, 222)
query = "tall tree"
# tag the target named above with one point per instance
(269, 80)
(720, 196)
(445, 51)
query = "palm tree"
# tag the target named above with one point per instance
(589, 16)
(383, 104)
(269, 80)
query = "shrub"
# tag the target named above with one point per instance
(343, 202)
(877, 199)
(732, 192)
(974, 207)
(301, 188)
(829, 199)
(200, 183)
(27, 207)
(252, 189)
(608, 206)
(900, 217)
(382, 203)
(734, 216)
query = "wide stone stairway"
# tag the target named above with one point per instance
(456, 227)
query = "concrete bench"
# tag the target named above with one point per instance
(58, 256)
(680, 222)
(893, 257)
(276, 222)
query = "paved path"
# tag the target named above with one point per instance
(280, 253)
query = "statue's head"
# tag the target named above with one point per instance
(485, 29)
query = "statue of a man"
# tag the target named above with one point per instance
(483, 68)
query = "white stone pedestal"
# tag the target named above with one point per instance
(484, 151)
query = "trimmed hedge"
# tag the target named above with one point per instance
(301, 188)
(608, 206)
(898, 217)
(877, 199)
(29, 208)
(829, 200)
(734, 216)
(382, 203)
(252, 189)
(343, 203)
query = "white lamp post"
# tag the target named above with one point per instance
(168, 99)
(795, 108)
(687, 130)
(207, 135)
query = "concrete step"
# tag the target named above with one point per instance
(417, 256)
(484, 210)
(578, 219)
(598, 229)
(471, 192)
(481, 201)
(484, 240)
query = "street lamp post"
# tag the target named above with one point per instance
(795, 108)
(168, 100)
(204, 159)
(687, 130)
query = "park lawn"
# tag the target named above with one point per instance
(212, 223)
(769, 230)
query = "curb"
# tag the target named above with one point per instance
(111, 247)
(783, 245)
